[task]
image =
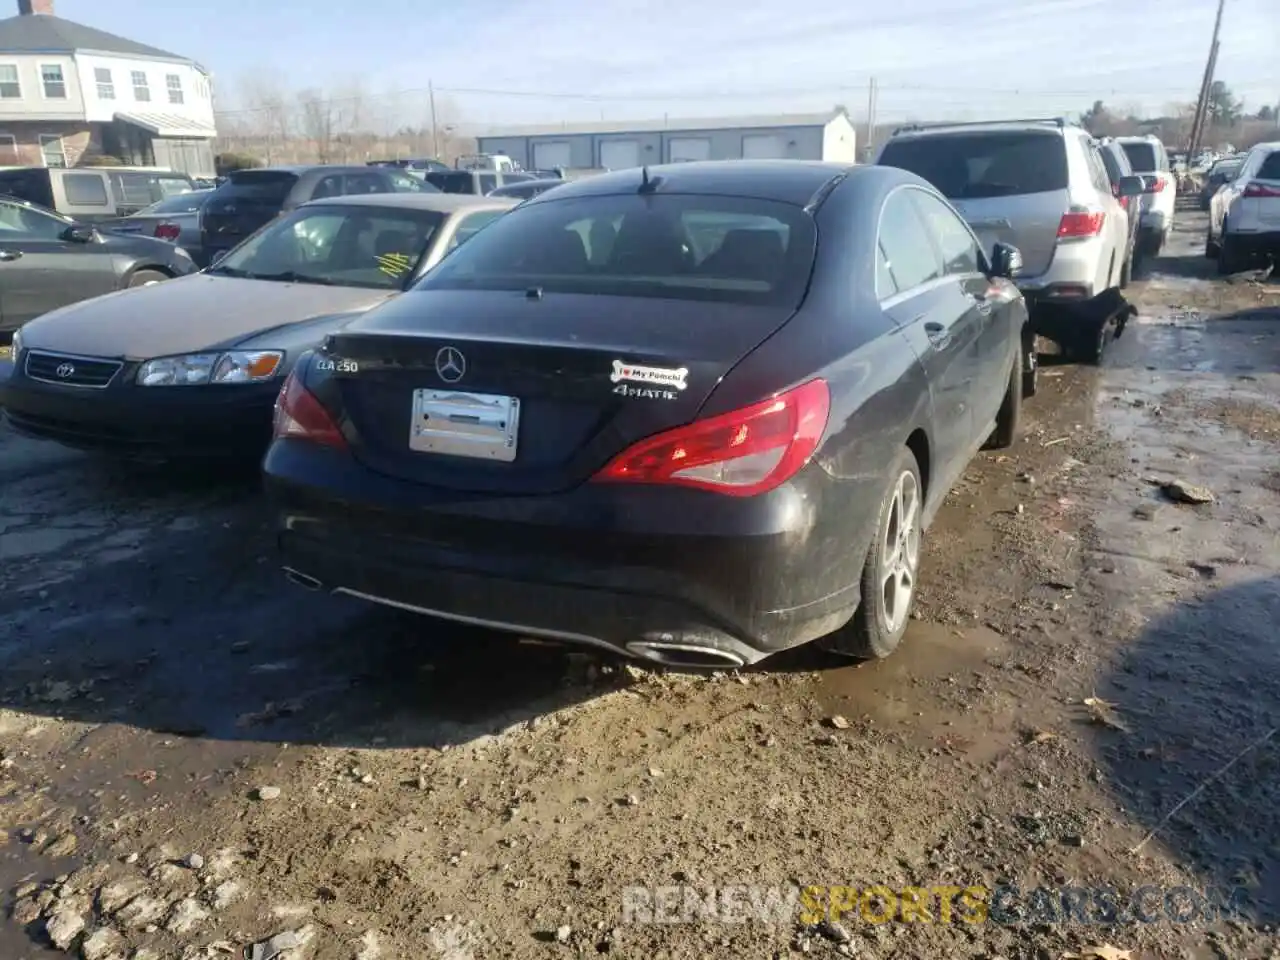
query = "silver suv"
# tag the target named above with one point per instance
(1040, 185)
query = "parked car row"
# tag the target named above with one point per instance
(1048, 188)
(644, 410)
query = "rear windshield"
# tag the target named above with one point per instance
(970, 166)
(1270, 169)
(258, 188)
(461, 182)
(683, 247)
(1142, 157)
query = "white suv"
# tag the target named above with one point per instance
(1042, 186)
(1244, 216)
(1150, 160)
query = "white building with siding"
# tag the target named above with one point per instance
(67, 91)
(614, 146)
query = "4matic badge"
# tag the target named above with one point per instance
(660, 383)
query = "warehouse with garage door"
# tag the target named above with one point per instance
(827, 136)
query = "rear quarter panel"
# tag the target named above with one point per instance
(879, 394)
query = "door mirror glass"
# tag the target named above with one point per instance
(1006, 261)
(1131, 186)
(80, 233)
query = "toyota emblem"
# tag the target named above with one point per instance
(451, 365)
(65, 370)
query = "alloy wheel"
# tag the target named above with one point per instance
(900, 550)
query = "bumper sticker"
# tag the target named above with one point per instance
(654, 376)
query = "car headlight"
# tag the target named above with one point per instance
(211, 368)
(16, 345)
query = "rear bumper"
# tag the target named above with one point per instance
(1253, 244)
(1072, 275)
(143, 423)
(643, 572)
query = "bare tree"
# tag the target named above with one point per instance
(316, 119)
(267, 116)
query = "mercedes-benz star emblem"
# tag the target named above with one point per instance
(451, 365)
(65, 370)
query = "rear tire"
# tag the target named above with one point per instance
(1009, 419)
(143, 278)
(1091, 343)
(889, 575)
(1229, 259)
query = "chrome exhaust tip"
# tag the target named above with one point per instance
(302, 579)
(686, 655)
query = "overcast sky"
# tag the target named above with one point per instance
(516, 61)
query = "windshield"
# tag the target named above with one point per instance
(1142, 156)
(970, 166)
(189, 202)
(350, 246)
(452, 182)
(723, 249)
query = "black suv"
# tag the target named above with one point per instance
(251, 198)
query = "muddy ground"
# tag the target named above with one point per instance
(1087, 655)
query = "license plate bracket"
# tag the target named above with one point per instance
(459, 423)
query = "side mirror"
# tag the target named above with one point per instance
(1006, 261)
(1131, 186)
(80, 233)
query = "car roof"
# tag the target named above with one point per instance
(1052, 125)
(1139, 138)
(536, 182)
(301, 168)
(787, 181)
(438, 202)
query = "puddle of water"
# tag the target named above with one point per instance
(889, 693)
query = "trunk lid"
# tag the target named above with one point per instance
(569, 361)
(247, 201)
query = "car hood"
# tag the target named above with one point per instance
(187, 315)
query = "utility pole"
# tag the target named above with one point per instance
(1206, 86)
(435, 130)
(871, 115)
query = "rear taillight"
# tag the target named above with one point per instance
(1074, 226)
(742, 453)
(300, 416)
(1124, 202)
(168, 231)
(1258, 190)
(1156, 184)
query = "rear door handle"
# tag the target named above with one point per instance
(938, 335)
(6, 255)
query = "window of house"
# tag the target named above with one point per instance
(173, 83)
(10, 85)
(106, 86)
(8, 150)
(52, 151)
(55, 85)
(141, 92)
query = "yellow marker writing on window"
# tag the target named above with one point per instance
(394, 264)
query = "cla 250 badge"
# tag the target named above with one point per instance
(653, 376)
